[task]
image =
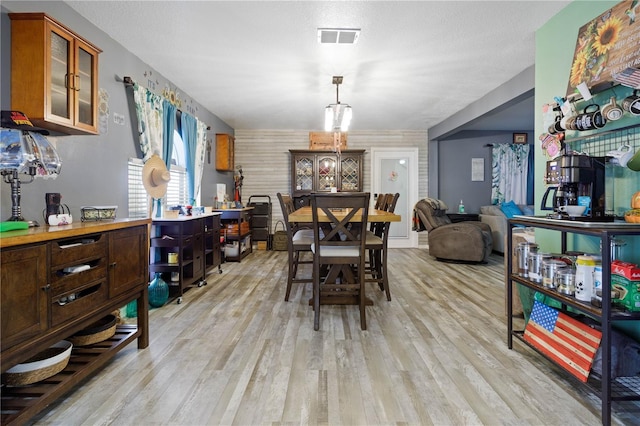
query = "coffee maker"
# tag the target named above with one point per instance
(575, 179)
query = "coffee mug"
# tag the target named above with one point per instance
(556, 127)
(590, 120)
(634, 162)
(632, 103)
(566, 121)
(612, 110)
(571, 123)
(621, 156)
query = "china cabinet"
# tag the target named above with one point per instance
(225, 145)
(54, 74)
(320, 171)
(42, 304)
(610, 389)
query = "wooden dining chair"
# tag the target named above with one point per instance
(299, 241)
(377, 247)
(341, 249)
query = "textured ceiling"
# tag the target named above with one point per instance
(258, 65)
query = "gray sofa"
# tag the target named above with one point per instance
(497, 221)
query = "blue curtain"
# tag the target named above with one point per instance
(168, 127)
(190, 138)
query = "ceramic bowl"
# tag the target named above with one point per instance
(573, 210)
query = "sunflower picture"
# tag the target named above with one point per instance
(605, 46)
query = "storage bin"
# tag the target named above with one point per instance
(232, 249)
(280, 239)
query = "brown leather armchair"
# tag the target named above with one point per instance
(463, 241)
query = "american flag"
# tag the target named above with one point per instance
(570, 343)
(629, 77)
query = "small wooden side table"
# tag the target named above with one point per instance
(462, 217)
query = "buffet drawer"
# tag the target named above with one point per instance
(69, 282)
(77, 302)
(77, 251)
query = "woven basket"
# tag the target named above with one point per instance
(47, 363)
(280, 240)
(96, 332)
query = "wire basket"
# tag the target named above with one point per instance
(99, 331)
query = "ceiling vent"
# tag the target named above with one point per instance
(338, 35)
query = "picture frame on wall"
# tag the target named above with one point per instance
(520, 138)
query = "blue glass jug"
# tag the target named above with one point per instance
(158, 291)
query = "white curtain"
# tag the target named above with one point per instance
(149, 111)
(199, 161)
(509, 171)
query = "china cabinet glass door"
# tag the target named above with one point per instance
(304, 173)
(326, 173)
(350, 174)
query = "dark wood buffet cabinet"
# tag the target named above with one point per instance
(41, 305)
(196, 242)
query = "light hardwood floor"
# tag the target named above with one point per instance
(235, 353)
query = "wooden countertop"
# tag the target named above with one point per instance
(45, 233)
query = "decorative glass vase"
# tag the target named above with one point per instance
(158, 291)
(131, 310)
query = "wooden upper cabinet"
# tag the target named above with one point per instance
(54, 75)
(224, 152)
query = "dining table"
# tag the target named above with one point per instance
(305, 215)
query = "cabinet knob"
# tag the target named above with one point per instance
(46, 287)
(112, 265)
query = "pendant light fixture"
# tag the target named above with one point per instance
(337, 117)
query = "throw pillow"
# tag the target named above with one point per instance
(491, 210)
(510, 209)
(528, 210)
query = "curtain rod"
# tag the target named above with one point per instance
(128, 81)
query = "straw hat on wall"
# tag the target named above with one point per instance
(155, 177)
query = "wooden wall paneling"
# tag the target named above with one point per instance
(264, 156)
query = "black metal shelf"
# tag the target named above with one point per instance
(622, 388)
(608, 389)
(616, 314)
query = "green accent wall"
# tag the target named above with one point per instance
(555, 45)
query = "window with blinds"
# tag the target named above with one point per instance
(177, 191)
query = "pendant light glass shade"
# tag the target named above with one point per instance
(337, 117)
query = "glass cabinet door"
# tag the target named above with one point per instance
(84, 80)
(304, 173)
(350, 174)
(60, 84)
(327, 176)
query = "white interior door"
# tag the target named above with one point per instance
(396, 170)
